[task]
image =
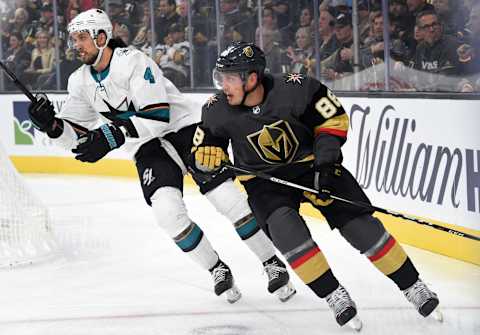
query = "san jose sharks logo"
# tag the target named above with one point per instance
(275, 143)
(125, 110)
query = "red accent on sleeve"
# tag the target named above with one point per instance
(336, 132)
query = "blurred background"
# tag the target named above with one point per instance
(351, 45)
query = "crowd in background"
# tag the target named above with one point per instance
(434, 45)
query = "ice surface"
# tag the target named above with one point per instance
(119, 274)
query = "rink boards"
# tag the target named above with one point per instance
(416, 156)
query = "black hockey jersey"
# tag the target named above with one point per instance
(282, 130)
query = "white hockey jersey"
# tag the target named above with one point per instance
(131, 87)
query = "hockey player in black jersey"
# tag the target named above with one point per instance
(293, 127)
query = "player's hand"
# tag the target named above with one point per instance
(209, 158)
(96, 143)
(323, 183)
(41, 113)
(323, 180)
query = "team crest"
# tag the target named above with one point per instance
(248, 51)
(275, 143)
(294, 78)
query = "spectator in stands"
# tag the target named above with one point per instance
(414, 8)
(306, 18)
(270, 42)
(436, 54)
(45, 23)
(398, 11)
(75, 6)
(338, 6)
(451, 14)
(17, 58)
(373, 53)
(19, 23)
(204, 41)
(119, 17)
(339, 63)
(68, 65)
(176, 62)
(326, 28)
(182, 11)
(26, 5)
(167, 16)
(42, 60)
(235, 24)
(301, 58)
(363, 19)
(281, 9)
(469, 54)
(123, 32)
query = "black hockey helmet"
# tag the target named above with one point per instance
(242, 57)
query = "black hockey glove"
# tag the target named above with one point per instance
(323, 180)
(96, 143)
(42, 113)
(323, 183)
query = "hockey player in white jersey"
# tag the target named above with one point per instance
(119, 97)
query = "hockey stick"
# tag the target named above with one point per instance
(18, 83)
(355, 203)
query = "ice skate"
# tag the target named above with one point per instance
(224, 283)
(278, 279)
(424, 300)
(344, 308)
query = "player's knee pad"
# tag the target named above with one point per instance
(232, 203)
(287, 229)
(229, 201)
(169, 210)
(171, 214)
(366, 233)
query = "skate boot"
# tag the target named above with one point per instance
(424, 300)
(344, 308)
(224, 283)
(278, 279)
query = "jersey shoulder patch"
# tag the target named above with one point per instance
(212, 100)
(294, 78)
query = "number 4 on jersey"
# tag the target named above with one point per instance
(148, 75)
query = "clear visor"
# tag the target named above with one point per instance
(220, 79)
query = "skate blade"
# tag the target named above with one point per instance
(355, 323)
(284, 293)
(233, 294)
(437, 315)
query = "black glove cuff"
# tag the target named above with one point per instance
(57, 128)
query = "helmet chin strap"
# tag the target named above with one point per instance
(100, 52)
(245, 92)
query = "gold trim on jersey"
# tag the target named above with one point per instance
(337, 125)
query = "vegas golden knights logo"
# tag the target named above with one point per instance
(248, 51)
(275, 143)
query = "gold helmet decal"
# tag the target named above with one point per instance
(275, 143)
(248, 51)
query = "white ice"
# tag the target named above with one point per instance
(119, 274)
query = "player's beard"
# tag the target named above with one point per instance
(91, 59)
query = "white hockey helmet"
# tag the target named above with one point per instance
(92, 21)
